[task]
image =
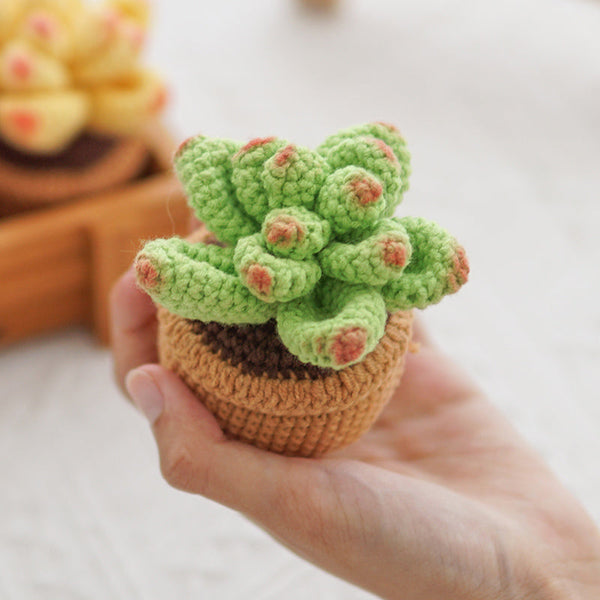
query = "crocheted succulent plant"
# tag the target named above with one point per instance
(67, 65)
(307, 238)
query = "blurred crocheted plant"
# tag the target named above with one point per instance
(308, 238)
(67, 66)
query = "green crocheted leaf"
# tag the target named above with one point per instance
(248, 164)
(388, 134)
(373, 155)
(295, 232)
(271, 278)
(438, 266)
(198, 281)
(351, 199)
(293, 177)
(336, 326)
(203, 166)
(380, 257)
(312, 242)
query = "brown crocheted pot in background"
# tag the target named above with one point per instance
(92, 163)
(263, 395)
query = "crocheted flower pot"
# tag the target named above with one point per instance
(73, 98)
(276, 403)
(292, 328)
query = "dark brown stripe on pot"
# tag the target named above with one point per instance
(87, 149)
(257, 350)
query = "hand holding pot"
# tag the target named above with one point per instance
(441, 499)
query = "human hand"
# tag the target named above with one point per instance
(441, 499)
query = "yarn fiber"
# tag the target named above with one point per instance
(284, 412)
(308, 239)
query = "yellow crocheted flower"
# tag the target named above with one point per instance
(66, 66)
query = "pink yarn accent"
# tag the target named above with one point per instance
(283, 156)
(259, 279)
(147, 274)
(283, 231)
(349, 344)
(20, 67)
(26, 122)
(389, 153)
(43, 26)
(366, 190)
(394, 253)
(254, 144)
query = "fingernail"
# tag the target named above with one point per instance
(145, 394)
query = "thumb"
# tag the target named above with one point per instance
(195, 455)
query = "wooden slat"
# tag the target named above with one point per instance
(162, 144)
(57, 265)
(46, 279)
(115, 242)
(69, 307)
(29, 251)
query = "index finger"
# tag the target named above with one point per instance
(133, 327)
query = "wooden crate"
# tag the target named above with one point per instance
(57, 266)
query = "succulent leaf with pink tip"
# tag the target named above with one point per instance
(310, 241)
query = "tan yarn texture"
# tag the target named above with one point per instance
(298, 417)
(23, 188)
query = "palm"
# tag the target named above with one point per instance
(439, 427)
(441, 499)
(440, 444)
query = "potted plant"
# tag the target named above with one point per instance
(74, 99)
(78, 121)
(291, 318)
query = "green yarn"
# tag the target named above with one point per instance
(375, 260)
(371, 154)
(438, 267)
(311, 241)
(295, 232)
(198, 282)
(351, 199)
(386, 133)
(337, 325)
(248, 166)
(293, 177)
(204, 168)
(271, 278)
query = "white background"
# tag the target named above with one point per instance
(500, 104)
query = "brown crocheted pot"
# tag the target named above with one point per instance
(91, 164)
(263, 395)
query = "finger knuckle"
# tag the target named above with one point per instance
(177, 467)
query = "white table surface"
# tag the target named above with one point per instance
(500, 103)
